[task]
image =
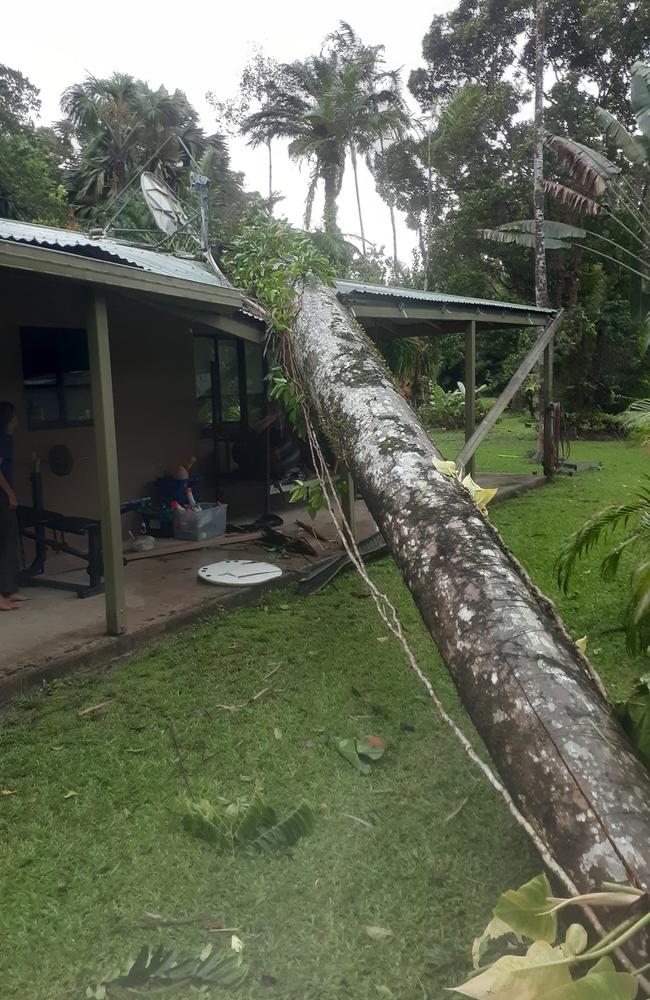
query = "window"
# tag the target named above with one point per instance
(229, 378)
(56, 377)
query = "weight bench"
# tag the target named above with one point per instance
(35, 521)
(34, 524)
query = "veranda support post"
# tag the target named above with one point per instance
(107, 472)
(547, 395)
(470, 388)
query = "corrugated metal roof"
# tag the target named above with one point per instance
(71, 241)
(441, 298)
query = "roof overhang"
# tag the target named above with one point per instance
(407, 312)
(100, 273)
(211, 307)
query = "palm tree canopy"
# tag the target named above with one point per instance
(327, 105)
(120, 124)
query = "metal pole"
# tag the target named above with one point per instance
(107, 472)
(470, 389)
(348, 501)
(548, 398)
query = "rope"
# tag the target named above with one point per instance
(388, 614)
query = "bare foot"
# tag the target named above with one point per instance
(18, 597)
(6, 605)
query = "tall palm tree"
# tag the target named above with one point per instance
(385, 86)
(120, 125)
(325, 108)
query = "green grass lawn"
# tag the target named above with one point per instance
(86, 878)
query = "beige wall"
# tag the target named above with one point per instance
(153, 384)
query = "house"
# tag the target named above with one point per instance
(138, 361)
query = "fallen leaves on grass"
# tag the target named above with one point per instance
(360, 753)
(160, 968)
(247, 824)
(378, 933)
(8, 791)
(71, 794)
(94, 708)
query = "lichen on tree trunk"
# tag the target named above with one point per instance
(552, 736)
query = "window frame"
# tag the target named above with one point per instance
(63, 422)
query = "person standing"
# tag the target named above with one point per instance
(9, 595)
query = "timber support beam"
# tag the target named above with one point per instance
(107, 470)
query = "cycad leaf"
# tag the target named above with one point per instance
(288, 832)
(574, 200)
(591, 169)
(634, 715)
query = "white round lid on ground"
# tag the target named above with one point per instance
(238, 572)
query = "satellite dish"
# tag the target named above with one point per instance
(163, 204)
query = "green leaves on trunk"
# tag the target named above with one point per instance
(243, 824)
(162, 969)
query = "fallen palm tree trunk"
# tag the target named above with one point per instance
(526, 686)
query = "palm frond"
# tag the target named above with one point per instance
(638, 610)
(609, 565)
(596, 530)
(637, 416)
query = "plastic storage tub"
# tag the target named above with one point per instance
(199, 525)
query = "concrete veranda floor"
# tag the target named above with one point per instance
(56, 631)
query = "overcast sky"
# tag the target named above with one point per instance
(201, 47)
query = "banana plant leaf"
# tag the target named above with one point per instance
(628, 144)
(640, 96)
(577, 202)
(590, 169)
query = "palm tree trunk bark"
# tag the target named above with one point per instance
(353, 157)
(553, 738)
(391, 209)
(268, 146)
(330, 208)
(541, 278)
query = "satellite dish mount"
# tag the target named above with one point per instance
(201, 183)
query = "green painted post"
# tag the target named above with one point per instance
(348, 502)
(470, 389)
(547, 396)
(107, 472)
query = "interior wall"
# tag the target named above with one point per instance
(153, 384)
